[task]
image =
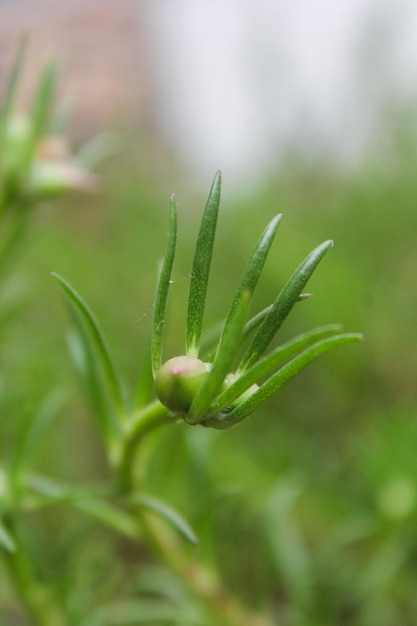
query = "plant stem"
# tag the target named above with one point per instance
(141, 424)
(201, 581)
(34, 595)
(164, 543)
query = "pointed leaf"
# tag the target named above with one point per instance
(226, 353)
(160, 305)
(268, 364)
(256, 263)
(283, 305)
(283, 375)
(98, 341)
(213, 335)
(201, 269)
(168, 514)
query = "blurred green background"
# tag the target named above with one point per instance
(310, 505)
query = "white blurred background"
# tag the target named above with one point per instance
(239, 85)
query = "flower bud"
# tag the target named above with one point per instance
(179, 380)
(53, 178)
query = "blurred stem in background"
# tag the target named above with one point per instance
(35, 166)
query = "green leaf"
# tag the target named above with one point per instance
(100, 345)
(42, 103)
(160, 305)
(145, 386)
(110, 515)
(268, 364)
(283, 375)
(7, 541)
(201, 269)
(168, 514)
(93, 383)
(255, 264)
(31, 437)
(289, 295)
(226, 353)
(87, 501)
(9, 96)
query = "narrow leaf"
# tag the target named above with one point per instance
(98, 341)
(286, 373)
(42, 102)
(160, 305)
(226, 353)
(92, 380)
(87, 501)
(7, 542)
(31, 436)
(283, 305)
(256, 263)
(11, 89)
(168, 514)
(268, 364)
(201, 269)
(144, 387)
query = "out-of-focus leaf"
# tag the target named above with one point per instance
(98, 341)
(6, 540)
(287, 546)
(167, 513)
(41, 106)
(31, 437)
(95, 151)
(88, 501)
(133, 612)
(10, 92)
(91, 378)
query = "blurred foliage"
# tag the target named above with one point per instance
(310, 505)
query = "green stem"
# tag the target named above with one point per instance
(226, 609)
(35, 596)
(165, 544)
(142, 423)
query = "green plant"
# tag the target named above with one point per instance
(222, 378)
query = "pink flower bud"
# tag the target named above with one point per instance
(179, 380)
